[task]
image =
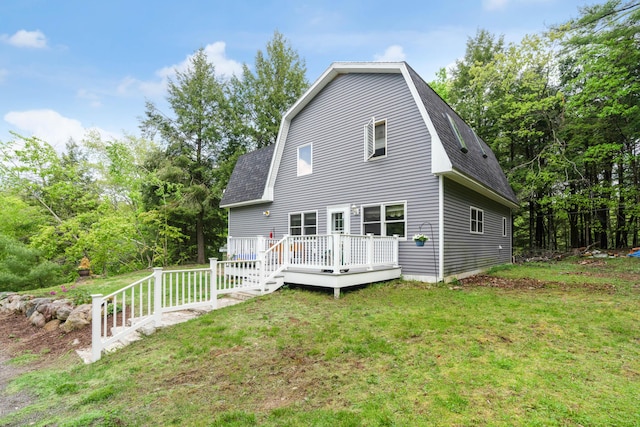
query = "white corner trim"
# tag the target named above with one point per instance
(440, 227)
(440, 162)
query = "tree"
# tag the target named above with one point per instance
(260, 98)
(602, 80)
(195, 142)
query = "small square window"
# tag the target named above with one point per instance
(305, 160)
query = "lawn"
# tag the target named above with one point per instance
(539, 344)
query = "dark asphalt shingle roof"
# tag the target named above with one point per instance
(249, 177)
(486, 171)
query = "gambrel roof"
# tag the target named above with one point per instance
(249, 177)
(475, 166)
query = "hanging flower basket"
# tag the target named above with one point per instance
(420, 239)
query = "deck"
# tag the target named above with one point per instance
(330, 261)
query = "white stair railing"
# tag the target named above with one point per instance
(121, 313)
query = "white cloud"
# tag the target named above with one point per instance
(52, 127)
(393, 53)
(225, 68)
(94, 99)
(23, 38)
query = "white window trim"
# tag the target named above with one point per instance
(382, 220)
(302, 213)
(299, 172)
(373, 123)
(471, 209)
(504, 226)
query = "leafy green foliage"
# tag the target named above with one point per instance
(24, 268)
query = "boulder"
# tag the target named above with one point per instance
(78, 318)
(48, 310)
(16, 303)
(63, 312)
(52, 325)
(37, 319)
(32, 305)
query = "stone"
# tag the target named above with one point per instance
(52, 325)
(63, 312)
(48, 310)
(37, 319)
(33, 304)
(78, 318)
(16, 303)
(148, 329)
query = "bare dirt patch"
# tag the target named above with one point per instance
(19, 337)
(531, 284)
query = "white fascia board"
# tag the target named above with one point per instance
(440, 162)
(471, 183)
(246, 203)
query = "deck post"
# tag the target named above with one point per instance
(285, 251)
(370, 251)
(261, 244)
(396, 240)
(337, 252)
(336, 293)
(261, 269)
(213, 282)
(96, 327)
(229, 251)
(157, 295)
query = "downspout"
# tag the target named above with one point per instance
(440, 274)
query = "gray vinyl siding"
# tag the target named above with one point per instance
(334, 123)
(249, 221)
(466, 251)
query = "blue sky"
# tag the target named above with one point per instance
(68, 66)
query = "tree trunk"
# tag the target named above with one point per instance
(200, 237)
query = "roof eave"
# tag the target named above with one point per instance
(247, 203)
(471, 183)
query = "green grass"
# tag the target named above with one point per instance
(399, 353)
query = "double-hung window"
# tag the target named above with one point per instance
(375, 139)
(303, 223)
(476, 221)
(385, 219)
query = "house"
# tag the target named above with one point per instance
(371, 149)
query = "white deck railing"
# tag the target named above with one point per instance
(335, 252)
